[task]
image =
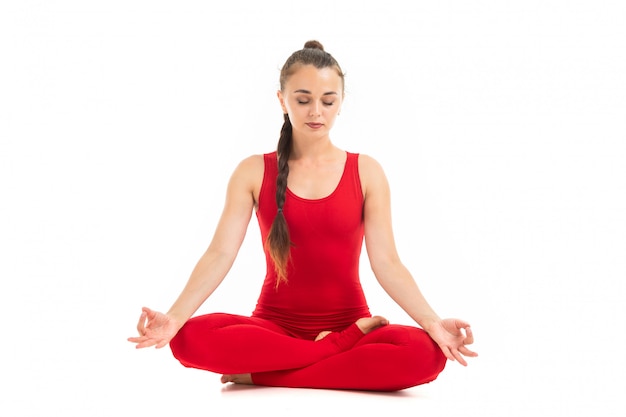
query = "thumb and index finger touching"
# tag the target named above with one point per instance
(144, 317)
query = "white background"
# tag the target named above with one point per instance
(501, 126)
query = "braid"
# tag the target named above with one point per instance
(283, 151)
(278, 241)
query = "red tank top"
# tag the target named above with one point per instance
(323, 291)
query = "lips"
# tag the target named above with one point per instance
(315, 125)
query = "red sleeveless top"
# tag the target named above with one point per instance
(323, 290)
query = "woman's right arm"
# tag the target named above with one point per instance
(158, 329)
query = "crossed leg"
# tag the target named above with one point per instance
(232, 344)
(253, 350)
(391, 358)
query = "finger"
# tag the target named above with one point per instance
(458, 357)
(466, 352)
(149, 313)
(142, 323)
(161, 344)
(461, 324)
(469, 336)
(137, 339)
(447, 353)
(146, 343)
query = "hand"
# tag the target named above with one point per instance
(452, 336)
(155, 329)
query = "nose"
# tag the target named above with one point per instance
(315, 110)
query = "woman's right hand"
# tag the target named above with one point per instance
(155, 329)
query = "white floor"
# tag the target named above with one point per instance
(502, 382)
(100, 376)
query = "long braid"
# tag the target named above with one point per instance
(278, 241)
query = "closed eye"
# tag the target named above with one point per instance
(325, 103)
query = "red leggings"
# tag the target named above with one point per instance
(390, 358)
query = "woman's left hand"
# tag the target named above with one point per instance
(453, 336)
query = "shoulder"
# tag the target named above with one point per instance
(256, 162)
(370, 168)
(249, 169)
(371, 173)
(251, 162)
(368, 163)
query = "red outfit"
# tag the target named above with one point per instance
(276, 345)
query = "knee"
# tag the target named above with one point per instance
(185, 344)
(439, 361)
(195, 344)
(426, 360)
(197, 326)
(430, 349)
(178, 344)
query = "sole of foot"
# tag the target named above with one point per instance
(237, 379)
(367, 324)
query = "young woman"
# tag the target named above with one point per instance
(315, 203)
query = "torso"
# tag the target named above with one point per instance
(307, 180)
(315, 180)
(325, 220)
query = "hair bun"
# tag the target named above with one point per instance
(313, 45)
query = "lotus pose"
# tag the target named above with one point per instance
(315, 204)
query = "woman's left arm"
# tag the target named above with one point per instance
(452, 335)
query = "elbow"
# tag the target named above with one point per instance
(223, 257)
(385, 268)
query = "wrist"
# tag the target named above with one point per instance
(428, 323)
(176, 319)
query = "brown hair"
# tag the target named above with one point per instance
(278, 242)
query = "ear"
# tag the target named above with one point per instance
(281, 99)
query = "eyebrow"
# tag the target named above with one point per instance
(308, 92)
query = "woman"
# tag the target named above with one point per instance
(315, 203)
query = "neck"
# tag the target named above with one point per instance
(313, 151)
(312, 148)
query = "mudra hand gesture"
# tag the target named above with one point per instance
(155, 329)
(453, 336)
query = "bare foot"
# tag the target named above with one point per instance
(237, 379)
(322, 335)
(367, 324)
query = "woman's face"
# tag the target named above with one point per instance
(312, 98)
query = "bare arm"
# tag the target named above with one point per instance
(389, 270)
(219, 257)
(452, 335)
(157, 329)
